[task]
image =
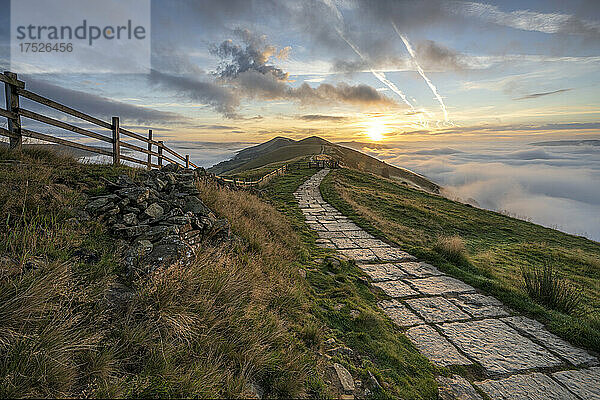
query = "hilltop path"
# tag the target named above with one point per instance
(450, 323)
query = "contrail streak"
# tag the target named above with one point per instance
(379, 75)
(421, 72)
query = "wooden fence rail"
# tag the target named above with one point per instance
(14, 89)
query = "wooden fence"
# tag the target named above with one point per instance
(244, 183)
(14, 89)
(323, 164)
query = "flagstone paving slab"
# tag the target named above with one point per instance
(358, 235)
(433, 346)
(585, 383)
(436, 309)
(395, 288)
(344, 243)
(419, 269)
(325, 243)
(437, 285)
(456, 387)
(370, 243)
(535, 386)
(340, 226)
(399, 313)
(498, 347)
(479, 305)
(359, 254)
(565, 350)
(392, 254)
(383, 272)
(329, 235)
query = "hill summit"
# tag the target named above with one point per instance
(282, 149)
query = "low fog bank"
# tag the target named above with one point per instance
(553, 184)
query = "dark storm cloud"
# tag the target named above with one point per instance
(218, 97)
(536, 95)
(99, 106)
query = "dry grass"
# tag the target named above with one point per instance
(452, 249)
(232, 320)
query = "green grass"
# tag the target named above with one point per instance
(497, 247)
(378, 345)
(314, 145)
(236, 317)
(282, 154)
(259, 172)
(240, 316)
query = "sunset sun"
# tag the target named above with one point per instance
(375, 130)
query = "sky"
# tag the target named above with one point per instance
(463, 92)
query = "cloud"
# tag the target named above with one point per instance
(247, 68)
(437, 152)
(214, 127)
(218, 97)
(236, 59)
(582, 142)
(558, 189)
(536, 95)
(99, 106)
(360, 95)
(320, 117)
(534, 154)
(527, 20)
(435, 56)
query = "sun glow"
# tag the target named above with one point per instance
(375, 129)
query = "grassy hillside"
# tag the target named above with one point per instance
(74, 324)
(247, 154)
(279, 150)
(251, 316)
(497, 248)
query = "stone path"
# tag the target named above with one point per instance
(451, 323)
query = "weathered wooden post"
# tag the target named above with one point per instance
(12, 105)
(149, 149)
(160, 152)
(116, 141)
(187, 161)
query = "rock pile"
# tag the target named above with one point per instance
(159, 217)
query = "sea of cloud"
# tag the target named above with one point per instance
(555, 184)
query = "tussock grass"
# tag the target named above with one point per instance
(452, 248)
(546, 286)
(233, 322)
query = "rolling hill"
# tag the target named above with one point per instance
(282, 149)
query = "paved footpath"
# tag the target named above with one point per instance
(451, 323)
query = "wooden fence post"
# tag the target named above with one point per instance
(160, 152)
(187, 161)
(12, 105)
(116, 141)
(149, 149)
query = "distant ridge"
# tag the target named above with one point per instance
(281, 149)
